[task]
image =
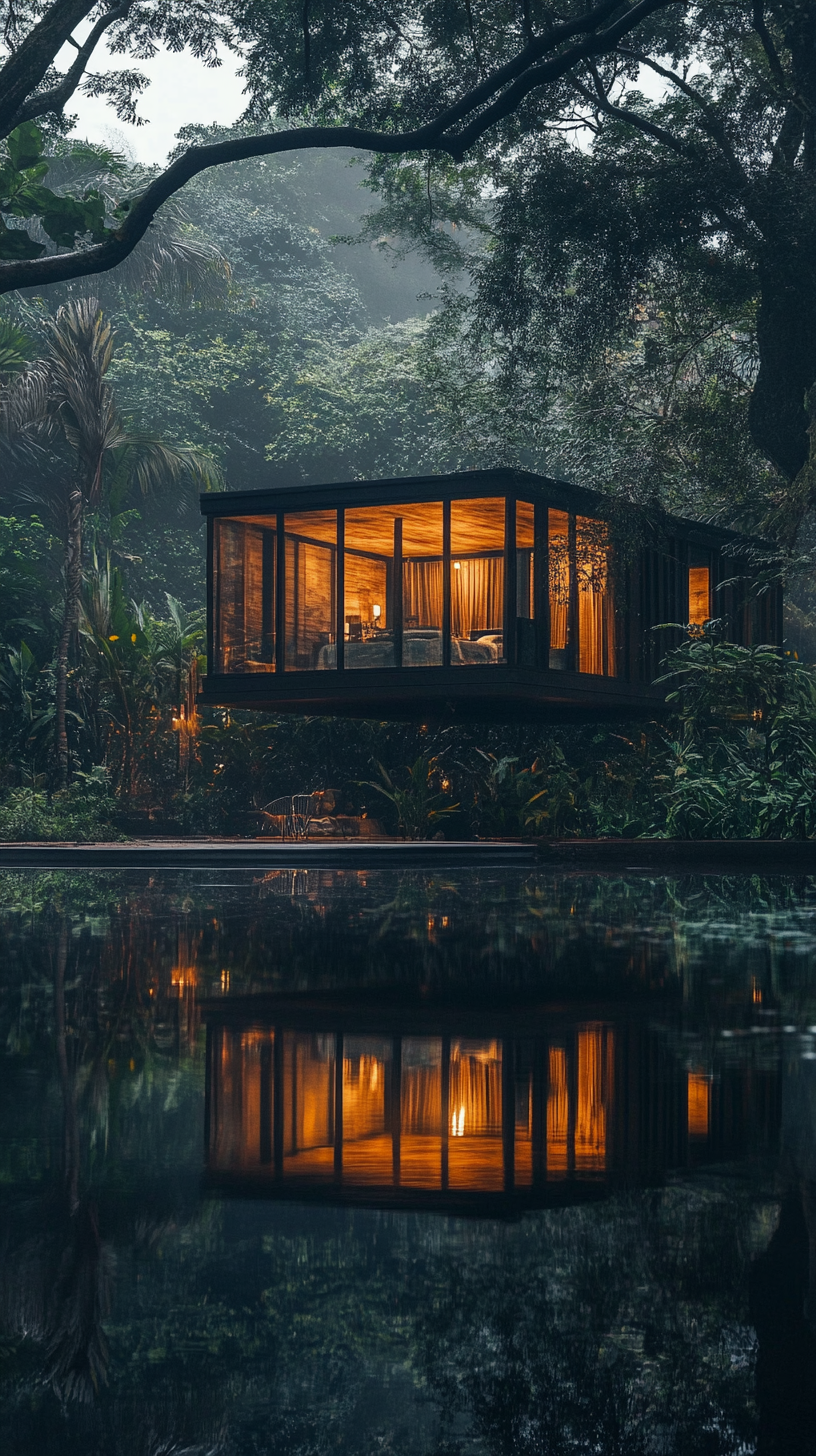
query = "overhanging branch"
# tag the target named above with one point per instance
(496, 97)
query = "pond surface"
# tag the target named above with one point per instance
(478, 1162)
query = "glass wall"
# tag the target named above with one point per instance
(310, 579)
(560, 580)
(699, 590)
(477, 581)
(244, 556)
(525, 555)
(371, 542)
(582, 606)
(420, 584)
(596, 610)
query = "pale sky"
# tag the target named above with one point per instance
(182, 90)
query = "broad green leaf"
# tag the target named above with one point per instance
(25, 145)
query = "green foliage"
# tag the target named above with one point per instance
(422, 801)
(22, 195)
(745, 764)
(85, 811)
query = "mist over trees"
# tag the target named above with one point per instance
(586, 249)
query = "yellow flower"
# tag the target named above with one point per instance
(113, 638)
(133, 636)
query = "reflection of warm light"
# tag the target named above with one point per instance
(594, 1048)
(557, 1112)
(225, 980)
(182, 978)
(458, 1123)
(756, 993)
(699, 1105)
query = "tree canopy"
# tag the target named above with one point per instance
(712, 176)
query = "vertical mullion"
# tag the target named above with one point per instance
(266, 1100)
(541, 582)
(572, 611)
(396, 1108)
(340, 604)
(446, 584)
(508, 1114)
(280, 595)
(396, 587)
(211, 602)
(338, 1106)
(510, 569)
(277, 1101)
(445, 1111)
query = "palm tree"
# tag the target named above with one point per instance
(65, 397)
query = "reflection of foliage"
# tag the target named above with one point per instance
(251, 1328)
(620, 1330)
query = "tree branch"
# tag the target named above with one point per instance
(26, 67)
(541, 75)
(714, 126)
(600, 99)
(503, 92)
(758, 21)
(56, 98)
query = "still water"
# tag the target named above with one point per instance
(496, 1162)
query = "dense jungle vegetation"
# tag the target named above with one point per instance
(633, 312)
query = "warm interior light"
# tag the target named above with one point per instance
(457, 566)
(376, 611)
(458, 1123)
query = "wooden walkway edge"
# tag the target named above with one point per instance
(604, 856)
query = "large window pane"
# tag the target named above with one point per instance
(311, 589)
(699, 591)
(559, 588)
(244, 595)
(477, 581)
(369, 608)
(421, 584)
(596, 610)
(525, 542)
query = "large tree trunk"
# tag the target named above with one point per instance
(73, 585)
(786, 334)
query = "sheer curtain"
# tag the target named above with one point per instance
(477, 595)
(422, 594)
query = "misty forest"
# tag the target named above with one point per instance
(441, 238)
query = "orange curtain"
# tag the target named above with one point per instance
(422, 593)
(477, 595)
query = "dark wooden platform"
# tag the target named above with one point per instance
(589, 856)
(270, 854)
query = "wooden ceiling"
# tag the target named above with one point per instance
(476, 525)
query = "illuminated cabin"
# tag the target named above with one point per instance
(471, 1113)
(470, 593)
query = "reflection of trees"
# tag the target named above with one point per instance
(619, 1330)
(268, 1330)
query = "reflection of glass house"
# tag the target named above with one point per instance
(467, 1113)
(474, 591)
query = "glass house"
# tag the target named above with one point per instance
(473, 593)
